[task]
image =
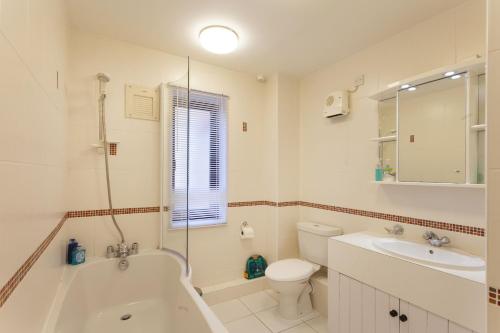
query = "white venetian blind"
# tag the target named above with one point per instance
(204, 145)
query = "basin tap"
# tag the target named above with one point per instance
(434, 239)
(396, 229)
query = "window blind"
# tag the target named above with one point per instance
(200, 184)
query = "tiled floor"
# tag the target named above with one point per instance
(258, 313)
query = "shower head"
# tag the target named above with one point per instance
(102, 77)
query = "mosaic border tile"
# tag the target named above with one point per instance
(19, 275)
(13, 282)
(116, 211)
(252, 203)
(494, 296)
(113, 147)
(471, 230)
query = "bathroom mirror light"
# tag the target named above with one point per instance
(449, 74)
(218, 39)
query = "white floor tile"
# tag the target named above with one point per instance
(273, 320)
(259, 301)
(248, 324)
(319, 324)
(230, 310)
(310, 316)
(302, 328)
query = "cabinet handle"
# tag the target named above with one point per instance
(393, 313)
(403, 318)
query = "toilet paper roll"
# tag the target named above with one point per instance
(247, 232)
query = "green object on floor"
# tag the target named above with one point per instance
(256, 267)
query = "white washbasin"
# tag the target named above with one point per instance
(450, 258)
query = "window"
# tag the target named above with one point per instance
(206, 150)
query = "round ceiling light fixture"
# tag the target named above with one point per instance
(219, 39)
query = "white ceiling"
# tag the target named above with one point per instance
(288, 36)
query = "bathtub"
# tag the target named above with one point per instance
(153, 295)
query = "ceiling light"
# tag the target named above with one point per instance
(454, 77)
(449, 73)
(218, 39)
(412, 89)
(404, 86)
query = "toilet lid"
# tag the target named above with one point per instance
(289, 270)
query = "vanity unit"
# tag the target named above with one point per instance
(380, 284)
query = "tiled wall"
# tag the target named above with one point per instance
(288, 152)
(337, 159)
(33, 156)
(493, 178)
(135, 171)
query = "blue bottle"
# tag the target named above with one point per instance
(78, 255)
(72, 244)
(379, 172)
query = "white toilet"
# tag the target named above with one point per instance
(290, 277)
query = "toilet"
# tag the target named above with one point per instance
(290, 277)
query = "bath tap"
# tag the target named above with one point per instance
(122, 251)
(434, 239)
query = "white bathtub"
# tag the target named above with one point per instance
(154, 290)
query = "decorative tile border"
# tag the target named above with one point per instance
(112, 148)
(471, 230)
(494, 296)
(19, 275)
(288, 203)
(251, 203)
(116, 211)
(10, 286)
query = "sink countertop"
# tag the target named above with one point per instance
(365, 240)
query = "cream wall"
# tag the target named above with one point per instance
(33, 163)
(493, 153)
(338, 160)
(217, 254)
(288, 118)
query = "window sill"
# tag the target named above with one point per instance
(218, 225)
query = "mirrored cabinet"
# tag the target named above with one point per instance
(431, 129)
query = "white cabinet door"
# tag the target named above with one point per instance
(436, 324)
(455, 328)
(355, 306)
(333, 301)
(386, 313)
(344, 302)
(368, 305)
(412, 319)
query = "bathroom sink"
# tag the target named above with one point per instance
(449, 258)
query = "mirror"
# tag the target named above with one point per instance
(432, 131)
(387, 119)
(481, 119)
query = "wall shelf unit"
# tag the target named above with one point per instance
(385, 138)
(476, 65)
(396, 183)
(403, 133)
(478, 128)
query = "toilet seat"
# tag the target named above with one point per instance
(291, 270)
